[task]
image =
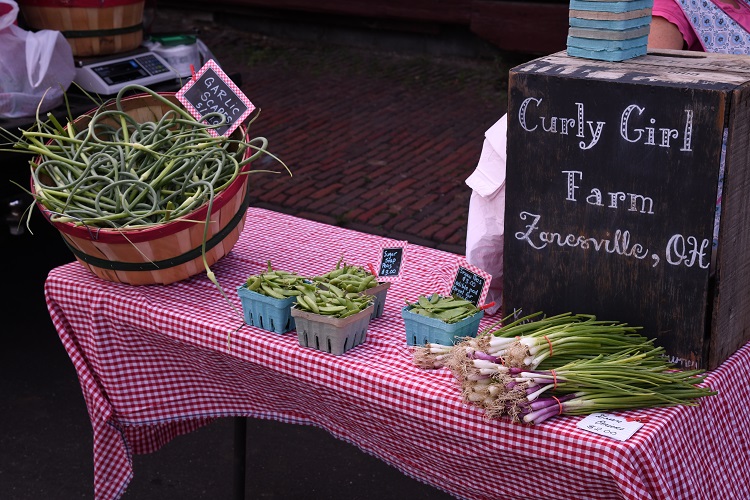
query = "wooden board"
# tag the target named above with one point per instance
(612, 182)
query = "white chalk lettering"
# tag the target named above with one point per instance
(688, 135)
(688, 251)
(635, 126)
(637, 202)
(647, 134)
(571, 185)
(619, 243)
(688, 364)
(577, 125)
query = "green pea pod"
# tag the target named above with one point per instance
(253, 283)
(423, 312)
(424, 303)
(312, 304)
(449, 314)
(451, 304)
(271, 292)
(335, 273)
(338, 291)
(331, 309)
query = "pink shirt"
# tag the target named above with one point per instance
(671, 11)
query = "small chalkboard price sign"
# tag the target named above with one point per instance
(210, 90)
(470, 283)
(392, 257)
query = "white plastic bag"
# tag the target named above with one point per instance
(34, 67)
(485, 226)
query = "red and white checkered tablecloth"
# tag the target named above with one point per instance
(154, 363)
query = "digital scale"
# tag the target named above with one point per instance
(106, 76)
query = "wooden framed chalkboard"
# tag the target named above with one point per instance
(213, 98)
(612, 182)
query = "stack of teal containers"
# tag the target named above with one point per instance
(607, 30)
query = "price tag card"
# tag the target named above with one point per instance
(470, 283)
(212, 91)
(604, 424)
(392, 258)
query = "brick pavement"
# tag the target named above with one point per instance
(378, 142)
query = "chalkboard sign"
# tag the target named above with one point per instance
(611, 195)
(470, 283)
(392, 258)
(390, 265)
(212, 91)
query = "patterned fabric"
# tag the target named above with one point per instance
(154, 363)
(717, 31)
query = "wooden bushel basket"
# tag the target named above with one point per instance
(91, 27)
(164, 253)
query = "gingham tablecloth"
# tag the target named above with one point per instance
(154, 363)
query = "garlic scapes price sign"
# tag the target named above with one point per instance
(612, 185)
(213, 98)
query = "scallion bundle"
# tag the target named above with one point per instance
(532, 370)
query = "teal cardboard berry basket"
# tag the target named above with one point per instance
(268, 313)
(421, 330)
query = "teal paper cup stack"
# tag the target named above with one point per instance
(609, 31)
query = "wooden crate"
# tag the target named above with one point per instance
(612, 180)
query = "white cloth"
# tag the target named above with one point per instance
(485, 227)
(36, 68)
